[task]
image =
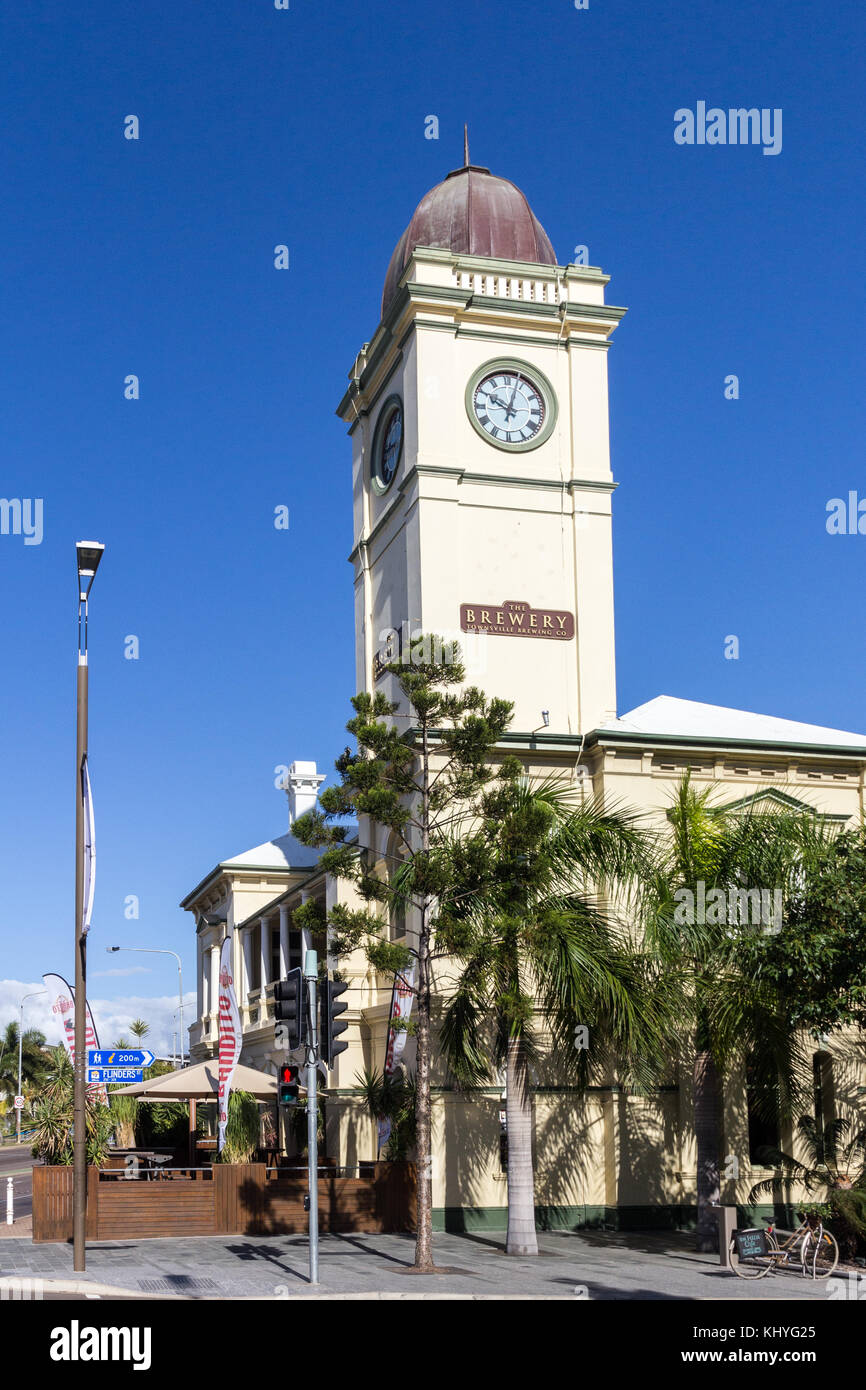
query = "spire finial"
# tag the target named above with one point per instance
(466, 147)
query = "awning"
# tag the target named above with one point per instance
(201, 1082)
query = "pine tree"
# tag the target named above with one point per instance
(417, 773)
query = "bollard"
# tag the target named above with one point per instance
(8, 1201)
(727, 1225)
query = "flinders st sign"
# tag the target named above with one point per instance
(516, 619)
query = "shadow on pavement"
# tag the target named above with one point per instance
(251, 1253)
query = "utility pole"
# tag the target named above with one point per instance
(88, 556)
(311, 972)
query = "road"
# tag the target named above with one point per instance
(16, 1161)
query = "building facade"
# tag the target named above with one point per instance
(482, 487)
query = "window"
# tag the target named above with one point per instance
(763, 1123)
(294, 949)
(824, 1097)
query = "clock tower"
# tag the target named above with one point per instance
(478, 414)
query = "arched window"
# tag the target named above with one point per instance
(824, 1093)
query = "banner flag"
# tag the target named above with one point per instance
(100, 1091)
(62, 1006)
(89, 846)
(62, 1001)
(401, 1007)
(229, 1036)
(383, 1127)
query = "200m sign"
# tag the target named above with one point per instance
(516, 619)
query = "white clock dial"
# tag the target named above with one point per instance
(509, 407)
(387, 444)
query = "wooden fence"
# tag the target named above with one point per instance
(229, 1199)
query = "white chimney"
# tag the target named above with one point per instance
(302, 788)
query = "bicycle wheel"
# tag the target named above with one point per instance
(820, 1254)
(754, 1266)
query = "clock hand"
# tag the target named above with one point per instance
(509, 408)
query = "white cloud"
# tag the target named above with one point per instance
(111, 1016)
(128, 970)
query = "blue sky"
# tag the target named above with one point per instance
(155, 257)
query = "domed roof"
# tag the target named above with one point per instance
(474, 213)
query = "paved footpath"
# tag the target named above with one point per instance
(584, 1265)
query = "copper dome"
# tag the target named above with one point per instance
(474, 213)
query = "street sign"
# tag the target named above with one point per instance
(100, 1057)
(112, 1075)
(19, 1102)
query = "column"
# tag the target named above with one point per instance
(214, 1000)
(199, 979)
(265, 951)
(284, 940)
(247, 943)
(306, 938)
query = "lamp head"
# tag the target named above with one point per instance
(545, 715)
(88, 555)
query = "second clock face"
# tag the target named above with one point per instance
(388, 444)
(509, 407)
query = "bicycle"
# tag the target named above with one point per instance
(756, 1251)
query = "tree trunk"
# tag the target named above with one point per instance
(423, 1115)
(708, 1140)
(521, 1239)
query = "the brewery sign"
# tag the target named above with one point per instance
(516, 619)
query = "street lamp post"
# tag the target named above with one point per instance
(20, 1053)
(162, 951)
(88, 555)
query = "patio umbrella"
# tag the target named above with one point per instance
(200, 1082)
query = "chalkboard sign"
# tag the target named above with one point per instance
(751, 1243)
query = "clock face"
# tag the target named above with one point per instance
(389, 443)
(509, 407)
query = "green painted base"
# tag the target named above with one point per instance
(627, 1218)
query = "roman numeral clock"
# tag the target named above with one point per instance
(511, 404)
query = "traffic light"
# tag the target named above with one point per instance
(331, 1030)
(289, 1007)
(288, 1085)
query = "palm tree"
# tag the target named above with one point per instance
(243, 1129)
(735, 1014)
(33, 1057)
(391, 1098)
(139, 1029)
(835, 1168)
(124, 1109)
(53, 1116)
(538, 946)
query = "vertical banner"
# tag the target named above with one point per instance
(62, 1002)
(383, 1129)
(401, 1007)
(100, 1092)
(62, 1007)
(89, 866)
(229, 1036)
